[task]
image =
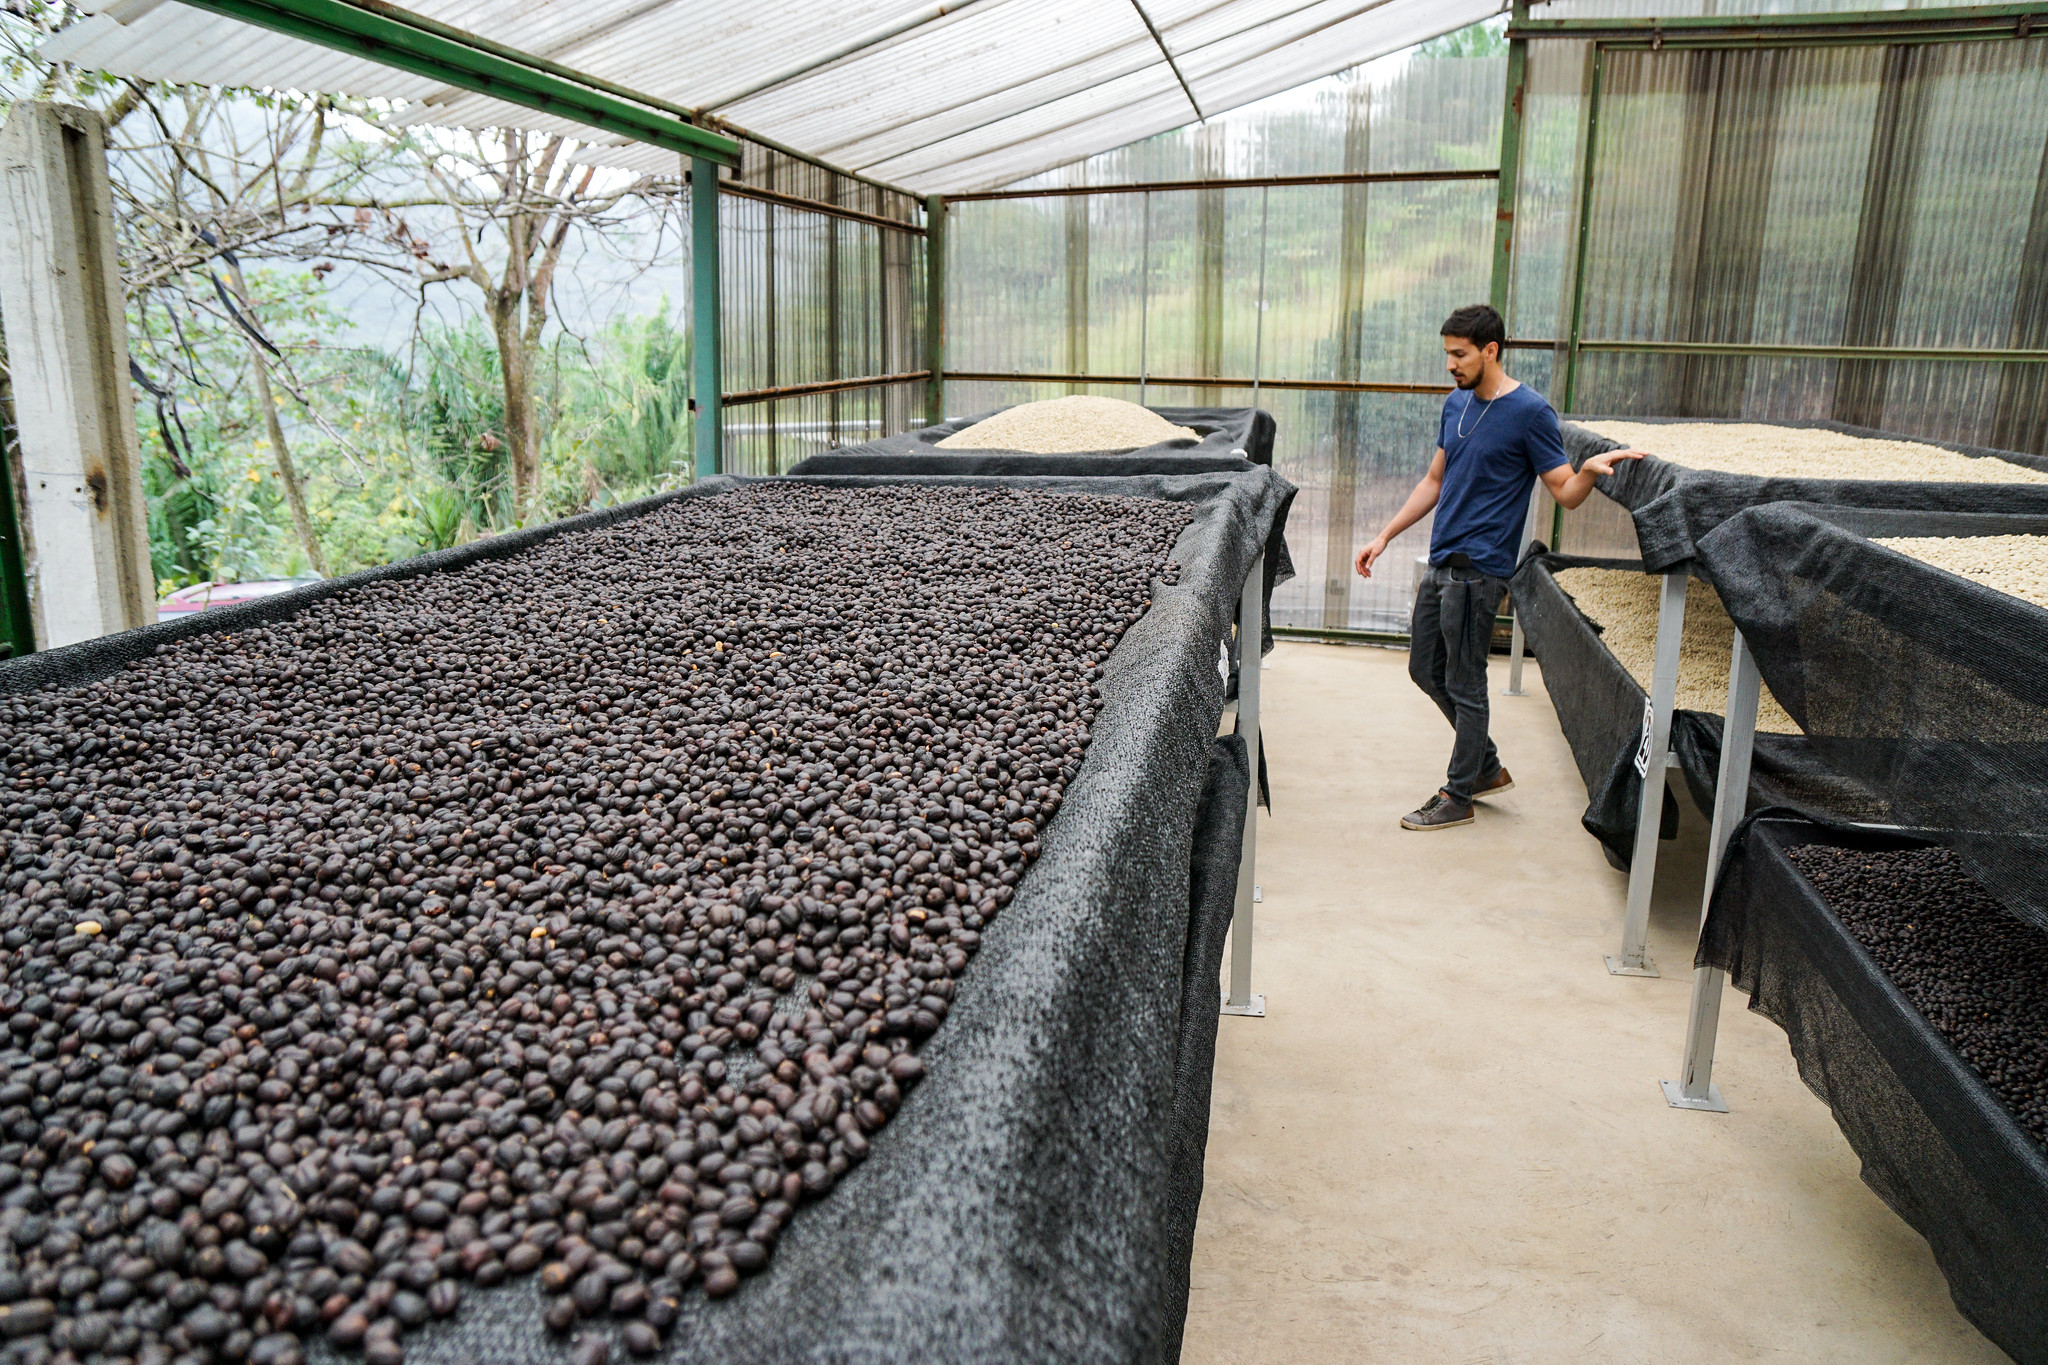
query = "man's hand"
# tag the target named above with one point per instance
(1374, 548)
(1603, 464)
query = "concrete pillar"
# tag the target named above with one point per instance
(85, 529)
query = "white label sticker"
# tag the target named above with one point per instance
(1643, 749)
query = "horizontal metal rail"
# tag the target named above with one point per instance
(743, 190)
(1926, 25)
(1243, 183)
(1987, 354)
(870, 381)
(1990, 355)
(406, 41)
(1202, 382)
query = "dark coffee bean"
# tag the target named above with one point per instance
(277, 1348)
(348, 1329)
(444, 1298)
(590, 1292)
(629, 1298)
(383, 1351)
(641, 1338)
(591, 1349)
(30, 1317)
(560, 1314)
(409, 1308)
(721, 1281)
(524, 1256)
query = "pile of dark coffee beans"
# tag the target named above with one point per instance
(1978, 974)
(578, 913)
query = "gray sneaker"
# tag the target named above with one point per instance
(1439, 812)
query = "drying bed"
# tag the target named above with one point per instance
(689, 940)
(1226, 441)
(1928, 687)
(2016, 565)
(1807, 921)
(1674, 506)
(1600, 702)
(1622, 606)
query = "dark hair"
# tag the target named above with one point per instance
(1478, 324)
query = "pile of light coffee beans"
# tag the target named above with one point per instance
(1979, 975)
(579, 912)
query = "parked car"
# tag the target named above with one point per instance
(200, 596)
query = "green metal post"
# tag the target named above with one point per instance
(1510, 165)
(935, 307)
(707, 380)
(1589, 139)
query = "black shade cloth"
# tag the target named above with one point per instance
(1225, 436)
(1033, 1199)
(1928, 688)
(1935, 1143)
(1600, 708)
(1674, 506)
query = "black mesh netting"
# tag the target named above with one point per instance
(1674, 507)
(1927, 688)
(1229, 438)
(1034, 1198)
(1935, 1142)
(1600, 709)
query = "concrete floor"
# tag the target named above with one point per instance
(1445, 1140)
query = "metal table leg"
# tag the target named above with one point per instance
(1516, 648)
(1651, 762)
(1250, 628)
(1695, 1088)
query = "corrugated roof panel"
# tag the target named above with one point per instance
(991, 91)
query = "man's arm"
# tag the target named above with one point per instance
(1572, 489)
(1418, 506)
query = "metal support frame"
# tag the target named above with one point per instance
(1510, 166)
(400, 39)
(1695, 1088)
(1241, 182)
(1959, 23)
(1251, 617)
(1653, 762)
(1589, 138)
(935, 308)
(1517, 644)
(707, 378)
(1144, 298)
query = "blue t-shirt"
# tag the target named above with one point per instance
(1488, 472)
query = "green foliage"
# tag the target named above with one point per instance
(1487, 38)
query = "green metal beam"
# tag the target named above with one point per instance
(707, 367)
(1589, 139)
(410, 42)
(1969, 354)
(935, 308)
(1970, 21)
(1510, 166)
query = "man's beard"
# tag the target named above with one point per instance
(1467, 384)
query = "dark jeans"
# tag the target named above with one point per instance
(1448, 640)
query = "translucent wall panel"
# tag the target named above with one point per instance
(1886, 196)
(1308, 283)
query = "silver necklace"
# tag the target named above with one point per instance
(1462, 433)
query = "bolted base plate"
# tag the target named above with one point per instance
(1254, 1008)
(1675, 1096)
(1512, 692)
(1617, 966)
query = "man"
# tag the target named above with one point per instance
(1495, 439)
